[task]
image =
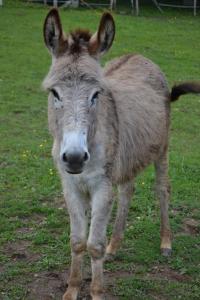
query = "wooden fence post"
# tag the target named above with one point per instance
(55, 3)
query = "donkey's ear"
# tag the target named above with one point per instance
(53, 34)
(102, 40)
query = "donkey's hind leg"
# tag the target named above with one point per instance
(163, 194)
(125, 194)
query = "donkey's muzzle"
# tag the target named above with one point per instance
(75, 161)
(74, 152)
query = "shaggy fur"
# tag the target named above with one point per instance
(118, 118)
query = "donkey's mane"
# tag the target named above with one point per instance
(80, 40)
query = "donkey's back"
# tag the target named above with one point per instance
(137, 70)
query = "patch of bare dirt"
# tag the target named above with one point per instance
(18, 251)
(24, 230)
(52, 286)
(165, 273)
(191, 226)
(110, 275)
(156, 296)
(35, 218)
(47, 286)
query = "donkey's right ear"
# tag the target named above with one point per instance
(53, 34)
(102, 40)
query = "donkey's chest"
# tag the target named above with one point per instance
(88, 181)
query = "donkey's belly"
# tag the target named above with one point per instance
(133, 163)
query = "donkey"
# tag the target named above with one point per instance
(108, 124)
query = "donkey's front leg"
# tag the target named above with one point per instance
(101, 208)
(78, 222)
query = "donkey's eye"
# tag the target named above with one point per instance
(55, 94)
(57, 99)
(94, 98)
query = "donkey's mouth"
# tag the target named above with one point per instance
(74, 172)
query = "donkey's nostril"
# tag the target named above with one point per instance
(75, 159)
(86, 156)
(64, 157)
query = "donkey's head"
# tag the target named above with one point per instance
(76, 85)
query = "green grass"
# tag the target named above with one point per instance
(33, 220)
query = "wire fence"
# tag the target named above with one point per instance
(71, 3)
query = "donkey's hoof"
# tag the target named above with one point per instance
(166, 252)
(98, 297)
(71, 294)
(68, 297)
(109, 257)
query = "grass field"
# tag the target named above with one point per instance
(34, 226)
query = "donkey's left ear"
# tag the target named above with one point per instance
(53, 34)
(102, 40)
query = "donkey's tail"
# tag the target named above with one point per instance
(184, 88)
